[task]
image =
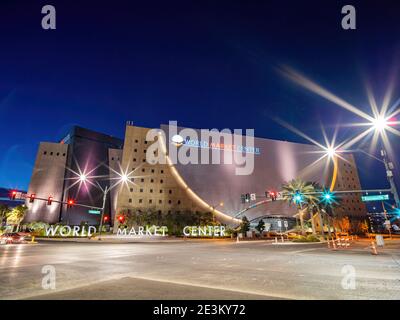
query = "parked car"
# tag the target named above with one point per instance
(14, 237)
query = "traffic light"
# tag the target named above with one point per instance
(32, 198)
(327, 197)
(243, 198)
(247, 197)
(271, 194)
(121, 219)
(105, 219)
(13, 194)
(49, 200)
(298, 197)
(70, 203)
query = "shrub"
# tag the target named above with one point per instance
(309, 238)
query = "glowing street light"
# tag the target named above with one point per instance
(82, 178)
(331, 152)
(327, 197)
(380, 123)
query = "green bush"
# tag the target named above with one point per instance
(38, 228)
(309, 238)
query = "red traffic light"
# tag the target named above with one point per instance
(273, 195)
(121, 219)
(13, 194)
(70, 203)
(32, 198)
(105, 218)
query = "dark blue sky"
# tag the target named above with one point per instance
(205, 64)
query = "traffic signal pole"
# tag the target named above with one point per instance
(389, 174)
(102, 210)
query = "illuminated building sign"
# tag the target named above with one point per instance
(220, 146)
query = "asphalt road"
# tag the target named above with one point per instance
(199, 270)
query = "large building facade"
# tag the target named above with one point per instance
(58, 169)
(169, 186)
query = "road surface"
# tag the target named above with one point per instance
(199, 270)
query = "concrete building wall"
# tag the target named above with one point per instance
(88, 154)
(47, 180)
(348, 179)
(151, 186)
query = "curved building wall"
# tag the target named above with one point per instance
(275, 163)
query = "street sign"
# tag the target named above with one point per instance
(253, 197)
(280, 223)
(92, 211)
(379, 197)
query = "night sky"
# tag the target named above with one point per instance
(206, 64)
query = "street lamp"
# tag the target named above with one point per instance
(331, 152)
(380, 123)
(389, 172)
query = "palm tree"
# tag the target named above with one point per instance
(4, 209)
(298, 188)
(17, 214)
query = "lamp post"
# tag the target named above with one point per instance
(389, 172)
(105, 192)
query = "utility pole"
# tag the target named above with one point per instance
(389, 174)
(102, 210)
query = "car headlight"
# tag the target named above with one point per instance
(9, 239)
